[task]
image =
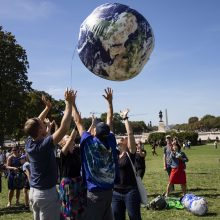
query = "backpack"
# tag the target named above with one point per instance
(158, 203)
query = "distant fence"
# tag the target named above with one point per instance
(142, 137)
(204, 136)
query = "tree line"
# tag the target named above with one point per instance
(206, 123)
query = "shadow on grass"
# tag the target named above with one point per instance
(203, 192)
(13, 210)
(176, 194)
(210, 214)
(193, 191)
(212, 196)
(201, 189)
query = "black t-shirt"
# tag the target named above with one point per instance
(71, 163)
(140, 161)
(127, 178)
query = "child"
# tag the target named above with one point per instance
(178, 175)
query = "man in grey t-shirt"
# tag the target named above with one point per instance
(43, 195)
(166, 153)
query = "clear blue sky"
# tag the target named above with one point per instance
(182, 76)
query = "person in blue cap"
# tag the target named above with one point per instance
(99, 163)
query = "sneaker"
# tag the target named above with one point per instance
(9, 205)
(17, 203)
(26, 207)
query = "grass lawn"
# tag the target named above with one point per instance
(203, 179)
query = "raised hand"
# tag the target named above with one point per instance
(46, 101)
(74, 96)
(47, 122)
(108, 94)
(69, 96)
(124, 113)
(47, 108)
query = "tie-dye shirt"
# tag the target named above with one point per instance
(99, 161)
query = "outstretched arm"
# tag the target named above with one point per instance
(92, 126)
(66, 120)
(129, 130)
(77, 116)
(109, 97)
(69, 142)
(47, 108)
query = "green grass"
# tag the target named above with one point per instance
(203, 179)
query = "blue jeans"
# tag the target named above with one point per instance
(129, 201)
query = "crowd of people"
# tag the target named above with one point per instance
(91, 178)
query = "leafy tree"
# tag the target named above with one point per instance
(193, 120)
(216, 123)
(207, 117)
(87, 122)
(14, 84)
(207, 122)
(158, 137)
(138, 127)
(35, 106)
(118, 125)
(188, 135)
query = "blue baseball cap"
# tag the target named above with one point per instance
(102, 130)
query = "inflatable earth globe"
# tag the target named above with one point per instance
(115, 42)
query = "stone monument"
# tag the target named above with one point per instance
(161, 126)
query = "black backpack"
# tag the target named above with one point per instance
(158, 203)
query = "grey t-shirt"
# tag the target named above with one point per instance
(167, 151)
(43, 165)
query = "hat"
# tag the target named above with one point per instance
(168, 136)
(102, 130)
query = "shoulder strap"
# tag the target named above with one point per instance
(131, 163)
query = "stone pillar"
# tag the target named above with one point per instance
(161, 127)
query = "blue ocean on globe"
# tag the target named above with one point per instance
(115, 42)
